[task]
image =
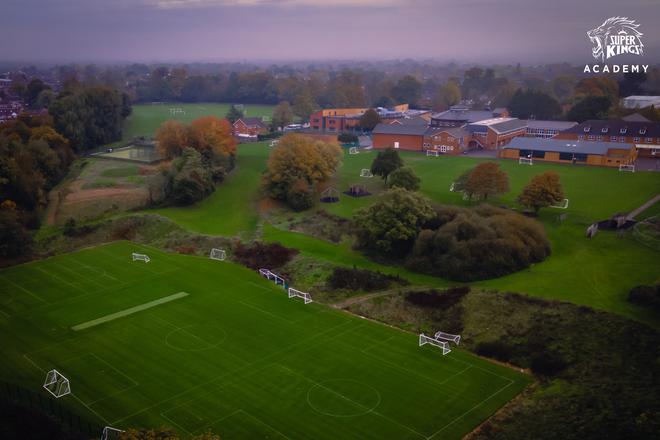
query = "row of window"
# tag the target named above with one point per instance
(607, 129)
(536, 154)
(614, 139)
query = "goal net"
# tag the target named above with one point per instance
(271, 276)
(366, 173)
(218, 254)
(293, 293)
(56, 384)
(442, 345)
(433, 153)
(629, 168)
(561, 205)
(525, 161)
(456, 339)
(141, 257)
(353, 150)
(110, 433)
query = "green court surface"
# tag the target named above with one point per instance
(234, 355)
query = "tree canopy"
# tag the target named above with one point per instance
(234, 114)
(385, 162)
(403, 177)
(542, 191)
(369, 119)
(282, 115)
(483, 181)
(533, 104)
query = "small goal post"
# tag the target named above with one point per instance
(218, 254)
(293, 293)
(433, 153)
(627, 167)
(140, 257)
(442, 345)
(56, 384)
(272, 276)
(366, 172)
(525, 161)
(353, 150)
(456, 339)
(561, 205)
(110, 433)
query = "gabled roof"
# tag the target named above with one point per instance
(416, 120)
(498, 125)
(635, 117)
(550, 125)
(252, 122)
(616, 127)
(463, 114)
(403, 129)
(564, 146)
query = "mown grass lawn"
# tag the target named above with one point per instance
(197, 345)
(146, 118)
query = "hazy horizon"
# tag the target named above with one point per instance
(187, 31)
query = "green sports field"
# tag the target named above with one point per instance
(146, 118)
(198, 344)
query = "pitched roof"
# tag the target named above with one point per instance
(458, 113)
(252, 122)
(550, 125)
(636, 117)
(416, 120)
(615, 127)
(499, 125)
(563, 146)
(404, 129)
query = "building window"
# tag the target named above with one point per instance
(591, 138)
(623, 131)
(636, 139)
(622, 139)
(565, 156)
(581, 137)
(648, 140)
(538, 154)
(612, 138)
(600, 138)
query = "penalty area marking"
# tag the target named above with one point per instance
(132, 310)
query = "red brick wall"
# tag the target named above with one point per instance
(406, 142)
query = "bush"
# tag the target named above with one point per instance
(385, 162)
(438, 300)
(300, 196)
(496, 350)
(347, 138)
(405, 178)
(262, 255)
(191, 181)
(360, 279)
(479, 243)
(647, 296)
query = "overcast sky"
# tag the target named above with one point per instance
(529, 31)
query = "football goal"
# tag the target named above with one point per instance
(141, 257)
(561, 205)
(366, 172)
(272, 276)
(177, 111)
(442, 345)
(456, 339)
(56, 384)
(110, 433)
(525, 161)
(218, 254)
(274, 142)
(433, 153)
(353, 150)
(293, 293)
(629, 168)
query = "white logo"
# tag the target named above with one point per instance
(616, 36)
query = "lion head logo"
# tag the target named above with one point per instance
(617, 35)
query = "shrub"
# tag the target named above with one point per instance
(347, 138)
(360, 279)
(479, 243)
(403, 177)
(438, 300)
(262, 255)
(300, 196)
(187, 250)
(385, 162)
(191, 180)
(647, 296)
(496, 350)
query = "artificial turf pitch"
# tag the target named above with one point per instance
(234, 355)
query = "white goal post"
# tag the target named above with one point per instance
(274, 142)
(442, 345)
(629, 168)
(353, 150)
(433, 153)
(218, 254)
(456, 339)
(56, 384)
(366, 172)
(140, 257)
(293, 293)
(271, 276)
(110, 433)
(525, 161)
(561, 205)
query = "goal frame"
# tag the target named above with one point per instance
(456, 339)
(525, 161)
(293, 293)
(57, 384)
(140, 257)
(108, 431)
(366, 172)
(272, 276)
(627, 167)
(353, 150)
(432, 153)
(218, 254)
(562, 205)
(442, 345)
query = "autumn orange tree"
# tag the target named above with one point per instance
(485, 180)
(171, 139)
(296, 165)
(209, 135)
(542, 191)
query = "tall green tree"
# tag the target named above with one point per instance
(447, 95)
(403, 177)
(526, 104)
(591, 107)
(234, 114)
(407, 90)
(304, 105)
(385, 162)
(369, 119)
(282, 115)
